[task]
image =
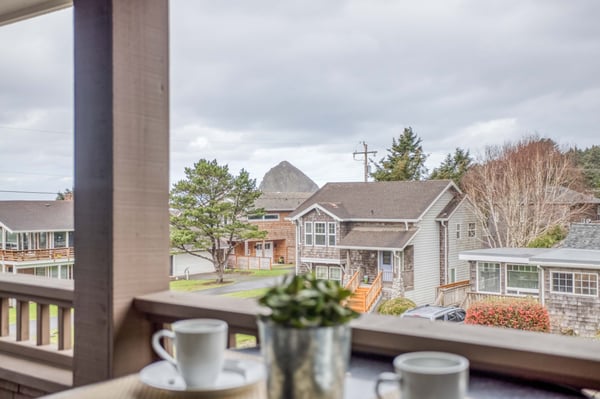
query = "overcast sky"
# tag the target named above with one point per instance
(257, 82)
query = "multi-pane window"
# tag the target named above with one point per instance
(266, 216)
(575, 283)
(308, 233)
(471, 230)
(331, 234)
(488, 277)
(320, 236)
(11, 240)
(335, 273)
(60, 240)
(322, 272)
(522, 279)
(458, 231)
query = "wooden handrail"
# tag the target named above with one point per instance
(454, 285)
(354, 282)
(374, 291)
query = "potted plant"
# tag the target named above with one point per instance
(305, 338)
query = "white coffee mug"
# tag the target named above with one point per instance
(199, 349)
(428, 375)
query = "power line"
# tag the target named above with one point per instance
(27, 192)
(37, 130)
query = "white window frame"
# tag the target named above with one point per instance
(331, 234)
(497, 265)
(471, 230)
(322, 272)
(320, 236)
(308, 234)
(267, 217)
(458, 231)
(574, 282)
(335, 273)
(452, 275)
(518, 290)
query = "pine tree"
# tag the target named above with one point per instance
(453, 166)
(209, 207)
(405, 160)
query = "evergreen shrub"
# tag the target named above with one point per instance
(396, 306)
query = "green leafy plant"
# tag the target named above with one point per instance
(304, 301)
(522, 314)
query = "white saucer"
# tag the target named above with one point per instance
(235, 374)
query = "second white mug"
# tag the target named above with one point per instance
(200, 349)
(428, 375)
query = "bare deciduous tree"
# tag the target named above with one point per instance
(521, 190)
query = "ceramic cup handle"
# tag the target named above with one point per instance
(158, 348)
(386, 377)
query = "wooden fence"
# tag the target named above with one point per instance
(250, 262)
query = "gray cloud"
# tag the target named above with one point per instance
(254, 83)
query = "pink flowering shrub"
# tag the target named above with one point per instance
(523, 314)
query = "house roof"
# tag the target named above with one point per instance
(15, 10)
(394, 200)
(28, 216)
(376, 238)
(583, 236)
(275, 201)
(561, 257)
(564, 195)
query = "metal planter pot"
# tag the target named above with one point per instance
(307, 363)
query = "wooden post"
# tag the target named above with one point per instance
(121, 180)
(4, 317)
(42, 325)
(64, 328)
(22, 320)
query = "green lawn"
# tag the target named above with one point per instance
(194, 285)
(12, 313)
(248, 293)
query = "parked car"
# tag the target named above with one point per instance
(437, 313)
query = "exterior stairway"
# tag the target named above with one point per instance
(358, 299)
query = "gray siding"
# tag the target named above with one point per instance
(463, 216)
(427, 255)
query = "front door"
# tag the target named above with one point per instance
(267, 250)
(385, 265)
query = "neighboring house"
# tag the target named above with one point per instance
(37, 238)
(565, 279)
(279, 244)
(410, 231)
(579, 207)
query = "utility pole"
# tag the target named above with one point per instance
(365, 153)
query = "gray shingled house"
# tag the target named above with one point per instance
(564, 279)
(410, 231)
(37, 238)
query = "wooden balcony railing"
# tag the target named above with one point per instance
(488, 348)
(11, 255)
(452, 294)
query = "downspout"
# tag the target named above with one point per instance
(445, 251)
(543, 282)
(297, 252)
